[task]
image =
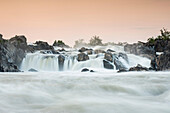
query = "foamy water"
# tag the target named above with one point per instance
(76, 92)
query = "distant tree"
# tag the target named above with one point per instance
(95, 40)
(79, 43)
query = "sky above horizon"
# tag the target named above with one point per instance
(70, 20)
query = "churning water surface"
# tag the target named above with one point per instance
(76, 92)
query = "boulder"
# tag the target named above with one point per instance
(83, 49)
(110, 50)
(61, 59)
(82, 57)
(108, 56)
(84, 70)
(138, 68)
(119, 65)
(88, 51)
(32, 70)
(107, 64)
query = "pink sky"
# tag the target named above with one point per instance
(70, 20)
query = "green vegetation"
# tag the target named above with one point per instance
(165, 35)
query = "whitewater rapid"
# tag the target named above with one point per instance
(76, 92)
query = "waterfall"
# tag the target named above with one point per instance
(67, 61)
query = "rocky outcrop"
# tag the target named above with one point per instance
(138, 68)
(82, 57)
(12, 52)
(86, 70)
(140, 49)
(161, 62)
(39, 45)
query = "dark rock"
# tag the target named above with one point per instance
(92, 71)
(55, 52)
(1, 37)
(89, 51)
(12, 52)
(83, 49)
(32, 70)
(97, 51)
(138, 68)
(119, 65)
(61, 59)
(110, 50)
(124, 56)
(82, 57)
(108, 56)
(84, 70)
(122, 70)
(107, 64)
(141, 49)
(163, 61)
(61, 44)
(43, 46)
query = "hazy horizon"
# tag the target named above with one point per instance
(70, 20)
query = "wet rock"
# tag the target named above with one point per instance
(107, 64)
(108, 56)
(139, 68)
(84, 70)
(124, 56)
(141, 49)
(83, 49)
(12, 52)
(122, 70)
(32, 70)
(82, 57)
(92, 71)
(88, 51)
(55, 52)
(110, 50)
(162, 61)
(119, 65)
(61, 59)
(97, 51)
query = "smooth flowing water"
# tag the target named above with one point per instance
(103, 91)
